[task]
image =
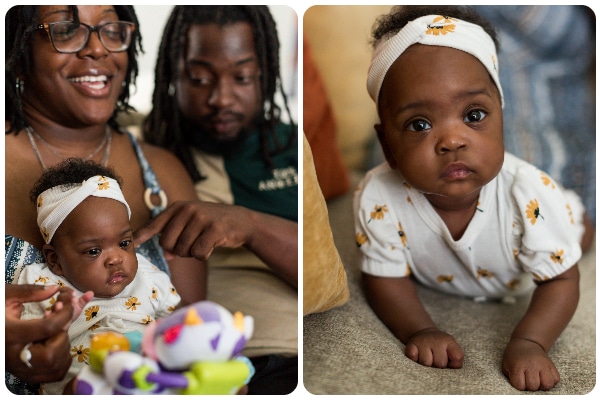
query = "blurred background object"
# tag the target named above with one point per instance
(339, 38)
(547, 71)
(320, 128)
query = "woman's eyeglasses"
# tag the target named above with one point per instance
(72, 37)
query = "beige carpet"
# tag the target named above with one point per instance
(347, 350)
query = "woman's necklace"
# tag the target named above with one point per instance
(106, 141)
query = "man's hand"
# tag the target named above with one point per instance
(195, 229)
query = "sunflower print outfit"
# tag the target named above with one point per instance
(523, 230)
(149, 296)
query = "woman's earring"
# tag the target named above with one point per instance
(171, 91)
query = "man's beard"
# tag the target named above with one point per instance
(207, 143)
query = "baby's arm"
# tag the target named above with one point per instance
(397, 304)
(526, 362)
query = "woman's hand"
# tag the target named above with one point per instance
(50, 355)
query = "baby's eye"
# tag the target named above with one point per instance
(93, 252)
(475, 116)
(125, 243)
(418, 125)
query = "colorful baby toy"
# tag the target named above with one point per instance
(196, 350)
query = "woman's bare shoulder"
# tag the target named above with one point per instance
(158, 155)
(171, 173)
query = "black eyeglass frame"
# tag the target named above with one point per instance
(48, 27)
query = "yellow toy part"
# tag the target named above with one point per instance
(218, 377)
(104, 343)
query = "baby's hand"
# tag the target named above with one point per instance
(528, 367)
(434, 348)
(78, 304)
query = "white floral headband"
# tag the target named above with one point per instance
(433, 30)
(55, 204)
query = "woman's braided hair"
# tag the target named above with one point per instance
(20, 22)
(163, 126)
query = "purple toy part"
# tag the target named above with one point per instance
(83, 387)
(172, 380)
(215, 342)
(239, 346)
(126, 380)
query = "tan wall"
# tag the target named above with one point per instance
(340, 39)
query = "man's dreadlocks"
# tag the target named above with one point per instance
(163, 126)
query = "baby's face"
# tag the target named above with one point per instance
(94, 247)
(441, 122)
